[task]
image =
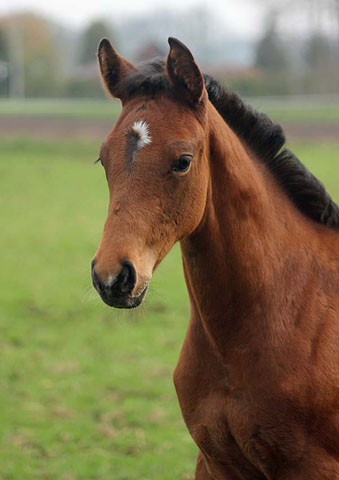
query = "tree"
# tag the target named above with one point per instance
(335, 12)
(3, 44)
(318, 51)
(91, 37)
(34, 61)
(4, 56)
(270, 53)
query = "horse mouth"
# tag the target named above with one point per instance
(124, 301)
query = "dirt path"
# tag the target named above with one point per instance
(46, 128)
(312, 131)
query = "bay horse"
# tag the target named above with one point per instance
(258, 373)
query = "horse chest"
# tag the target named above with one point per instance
(204, 403)
(229, 428)
(206, 415)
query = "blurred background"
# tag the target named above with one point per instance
(86, 391)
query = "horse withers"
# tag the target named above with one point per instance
(258, 374)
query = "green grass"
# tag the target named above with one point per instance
(295, 110)
(283, 110)
(60, 108)
(86, 391)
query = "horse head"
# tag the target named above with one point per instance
(156, 165)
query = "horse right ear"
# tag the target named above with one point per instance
(113, 67)
(184, 72)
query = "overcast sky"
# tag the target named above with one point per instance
(244, 15)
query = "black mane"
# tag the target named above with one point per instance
(266, 139)
(263, 137)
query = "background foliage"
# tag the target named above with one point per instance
(39, 57)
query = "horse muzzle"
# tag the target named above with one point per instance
(120, 290)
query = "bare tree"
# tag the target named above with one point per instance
(270, 52)
(91, 36)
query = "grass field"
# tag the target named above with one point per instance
(60, 108)
(86, 391)
(286, 110)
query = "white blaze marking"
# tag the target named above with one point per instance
(142, 129)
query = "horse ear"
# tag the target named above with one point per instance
(184, 72)
(113, 67)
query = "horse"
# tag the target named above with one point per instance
(188, 161)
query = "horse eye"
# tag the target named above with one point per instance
(182, 164)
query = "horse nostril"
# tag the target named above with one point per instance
(127, 277)
(93, 262)
(95, 279)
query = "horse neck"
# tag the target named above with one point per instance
(238, 257)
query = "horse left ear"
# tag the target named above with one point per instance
(113, 67)
(184, 72)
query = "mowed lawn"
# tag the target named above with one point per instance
(86, 391)
(305, 109)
